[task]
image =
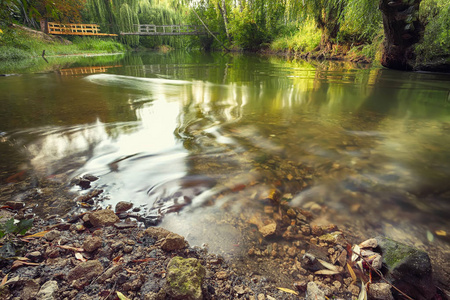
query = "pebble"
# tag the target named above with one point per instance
(172, 242)
(48, 290)
(92, 243)
(52, 235)
(123, 206)
(104, 217)
(268, 229)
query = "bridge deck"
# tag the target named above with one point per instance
(166, 30)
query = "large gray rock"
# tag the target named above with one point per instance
(185, 278)
(407, 268)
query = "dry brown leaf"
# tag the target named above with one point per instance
(328, 265)
(352, 273)
(80, 256)
(441, 232)
(4, 280)
(326, 272)
(37, 235)
(19, 263)
(70, 248)
(287, 290)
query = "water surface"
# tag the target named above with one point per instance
(191, 137)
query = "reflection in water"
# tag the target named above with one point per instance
(206, 135)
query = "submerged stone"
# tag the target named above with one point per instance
(185, 278)
(407, 268)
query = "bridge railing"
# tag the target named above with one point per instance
(75, 29)
(148, 29)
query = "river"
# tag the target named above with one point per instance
(192, 137)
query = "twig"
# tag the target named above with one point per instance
(43, 53)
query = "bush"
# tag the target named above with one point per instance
(244, 30)
(435, 14)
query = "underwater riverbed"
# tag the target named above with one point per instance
(190, 138)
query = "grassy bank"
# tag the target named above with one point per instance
(18, 43)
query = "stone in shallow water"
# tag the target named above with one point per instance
(104, 217)
(408, 269)
(184, 278)
(123, 206)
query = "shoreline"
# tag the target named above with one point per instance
(92, 254)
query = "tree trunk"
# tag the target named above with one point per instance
(223, 12)
(402, 29)
(44, 25)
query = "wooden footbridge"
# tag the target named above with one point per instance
(142, 30)
(166, 30)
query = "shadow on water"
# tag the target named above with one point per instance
(192, 138)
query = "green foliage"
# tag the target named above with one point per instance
(245, 31)
(362, 19)
(304, 40)
(11, 227)
(435, 14)
(8, 235)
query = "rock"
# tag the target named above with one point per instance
(86, 270)
(109, 273)
(370, 243)
(313, 292)
(92, 243)
(268, 229)
(30, 289)
(184, 278)
(380, 291)
(239, 289)
(172, 242)
(157, 232)
(408, 269)
(123, 206)
(222, 275)
(104, 217)
(51, 235)
(16, 205)
(48, 291)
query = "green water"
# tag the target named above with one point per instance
(223, 130)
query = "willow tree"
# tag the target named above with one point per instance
(326, 13)
(116, 16)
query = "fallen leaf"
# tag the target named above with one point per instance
(356, 252)
(80, 256)
(19, 263)
(326, 272)
(122, 296)
(363, 293)
(430, 236)
(4, 280)
(441, 232)
(36, 235)
(287, 290)
(143, 260)
(352, 273)
(70, 248)
(328, 265)
(116, 259)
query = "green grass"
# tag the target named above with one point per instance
(16, 44)
(306, 39)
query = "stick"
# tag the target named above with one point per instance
(207, 29)
(43, 53)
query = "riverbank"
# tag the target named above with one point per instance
(20, 43)
(92, 253)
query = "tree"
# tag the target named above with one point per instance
(402, 30)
